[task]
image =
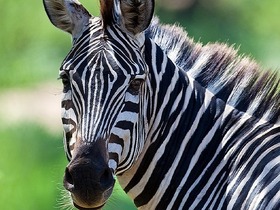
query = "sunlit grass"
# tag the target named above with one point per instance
(31, 169)
(31, 47)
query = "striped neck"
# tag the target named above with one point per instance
(190, 131)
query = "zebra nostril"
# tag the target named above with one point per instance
(106, 179)
(68, 180)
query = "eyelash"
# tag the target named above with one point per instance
(65, 81)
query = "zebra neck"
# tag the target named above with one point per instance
(190, 132)
(181, 115)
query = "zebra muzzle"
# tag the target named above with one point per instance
(88, 177)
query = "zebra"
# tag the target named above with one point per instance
(180, 124)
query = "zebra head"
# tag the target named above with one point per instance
(104, 78)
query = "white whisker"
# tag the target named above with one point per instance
(64, 200)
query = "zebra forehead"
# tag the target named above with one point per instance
(101, 53)
(107, 62)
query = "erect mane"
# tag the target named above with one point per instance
(237, 80)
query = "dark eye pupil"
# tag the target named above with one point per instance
(65, 81)
(135, 85)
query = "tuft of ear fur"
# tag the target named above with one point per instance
(67, 15)
(106, 10)
(136, 14)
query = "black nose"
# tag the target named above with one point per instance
(79, 177)
(88, 176)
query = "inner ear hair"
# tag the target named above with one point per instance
(67, 15)
(136, 14)
(58, 15)
(106, 10)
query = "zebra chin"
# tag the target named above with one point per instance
(88, 177)
(91, 202)
(81, 204)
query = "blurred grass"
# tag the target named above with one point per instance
(31, 48)
(31, 169)
(253, 26)
(30, 51)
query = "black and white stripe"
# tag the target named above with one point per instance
(186, 126)
(203, 153)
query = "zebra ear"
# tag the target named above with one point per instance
(67, 15)
(136, 15)
(132, 15)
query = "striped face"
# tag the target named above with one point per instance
(104, 81)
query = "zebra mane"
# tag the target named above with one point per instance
(237, 80)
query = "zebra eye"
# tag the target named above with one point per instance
(135, 85)
(65, 81)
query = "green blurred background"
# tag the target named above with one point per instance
(32, 158)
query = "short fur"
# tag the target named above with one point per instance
(237, 80)
(137, 14)
(106, 10)
(69, 16)
(57, 15)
